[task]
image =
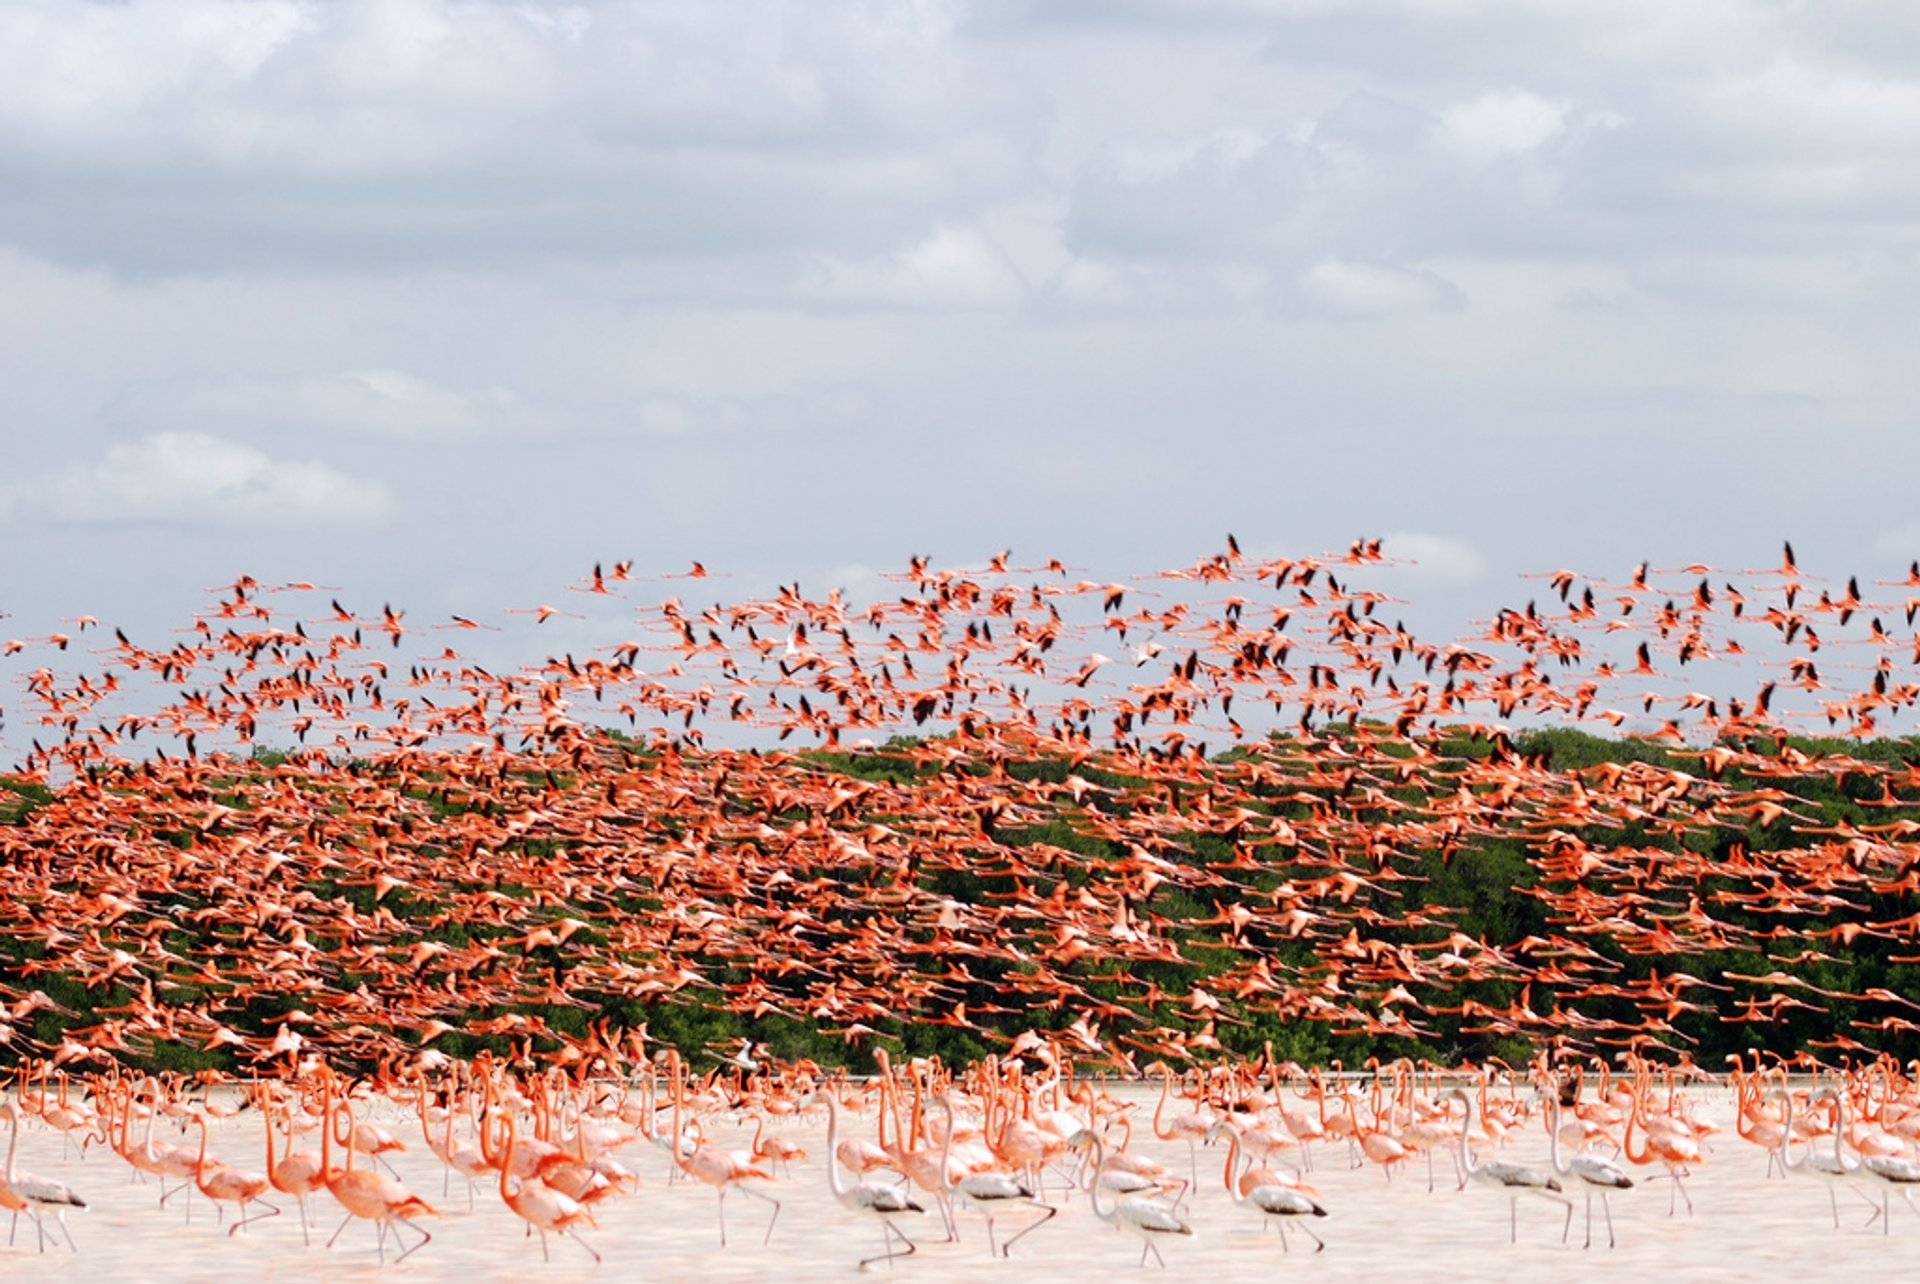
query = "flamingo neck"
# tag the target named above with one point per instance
(834, 1183)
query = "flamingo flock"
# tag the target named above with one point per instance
(485, 897)
(992, 821)
(1031, 1143)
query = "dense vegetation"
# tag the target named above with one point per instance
(1343, 894)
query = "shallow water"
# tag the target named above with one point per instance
(1745, 1225)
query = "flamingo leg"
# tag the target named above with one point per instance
(760, 1194)
(591, 1250)
(1051, 1213)
(248, 1217)
(425, 1237)
(1607, 1208)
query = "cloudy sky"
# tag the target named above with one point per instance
(443, 302)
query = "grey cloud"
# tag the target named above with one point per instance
(439, 300)
(220, 135)
(198, 479)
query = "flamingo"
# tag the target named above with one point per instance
(1188, 1127)
(540, 1205)
(989, 1192)
(1514, 1180)
(35, 1193)
(1148, 1222)
(871, 1199)
(715, 1167)
(1594, 1173)
(364, 1193)
(225, 1184)
(1273, 1201)
(1834, 1171)
(297, 1173)
(1889, 1171)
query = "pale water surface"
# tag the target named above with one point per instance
(1746, 1226)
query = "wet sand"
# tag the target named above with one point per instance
(1746, 1225)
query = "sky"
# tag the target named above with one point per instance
(441, 303)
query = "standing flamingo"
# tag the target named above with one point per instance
(716, 1167)
(867, 1198)
(297, 1173)
(1272, 1201)
(540, 1205)
(37, 1193)
(1594, 1173)
(230, 1185)
(1514, 1180)
(364, 1193)
(990, 1192)
(1145, 1221)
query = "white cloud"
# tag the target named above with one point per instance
(1368, 291)
(680, 415)
(1503, 122)
(378, 402)
(197, 133)
(953, 266)
(199, 479)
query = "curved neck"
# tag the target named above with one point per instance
(326, 1129)
(1099, 1168)
(1233, 1161)
(1553, 1134)
(1786, 1137)
(266, 1113)
(1634, 1157)
(833, 1151)
(1467, 1164)
(200, 1160)
(506, 1160)
(946, 1145)
(1166, 1090)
